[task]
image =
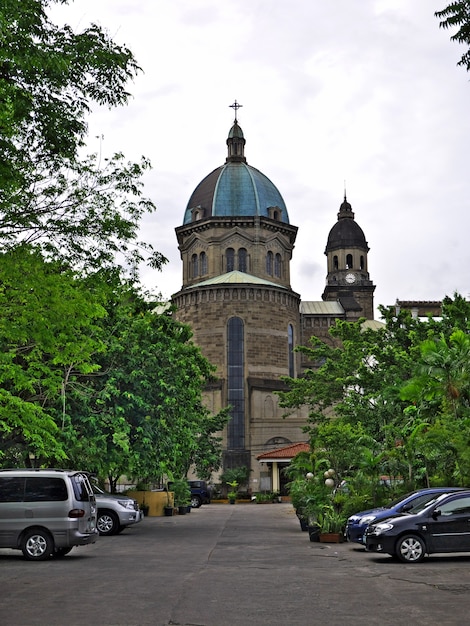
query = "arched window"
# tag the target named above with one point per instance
(230, 257)
(277, 265)
(362, 263)
(236, 384)
(335, 262)
(269, 264)
(349, 262)
(194, 266)
(290, 349)
(242, 256)
(203, 263)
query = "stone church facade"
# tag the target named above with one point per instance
(236, 244)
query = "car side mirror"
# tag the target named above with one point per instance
(407, 507)
(436, 513)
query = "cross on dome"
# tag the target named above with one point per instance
(235, 106)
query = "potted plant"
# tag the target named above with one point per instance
(182, 495)
(232, 494)
(168, 508)
(331, 523)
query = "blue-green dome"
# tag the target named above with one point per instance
(236, 189)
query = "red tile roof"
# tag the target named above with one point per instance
(286, 453)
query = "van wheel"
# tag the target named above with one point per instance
(37, 545)
(61, 552)
(107, 523)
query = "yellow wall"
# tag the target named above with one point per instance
(156, 500)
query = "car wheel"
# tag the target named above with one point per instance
(107, 523)
(195, 502)
(410, 549)
(61, 552)
(37, 545)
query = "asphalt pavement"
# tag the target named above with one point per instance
(230, 565)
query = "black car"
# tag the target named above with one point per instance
(441, 525)
(200, 493)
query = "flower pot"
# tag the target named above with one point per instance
(182, 510)
(331, 538)
(314, 532)
(168, 511)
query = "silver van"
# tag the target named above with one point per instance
(46, 512)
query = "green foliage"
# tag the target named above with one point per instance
(49, 335)
(85, 214)
(330, 520)
(238, 475)
(49, 77)
(181, 491)
(457, 14)
(392, 402)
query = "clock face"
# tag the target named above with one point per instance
(350, 278)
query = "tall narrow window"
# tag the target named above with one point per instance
(194, 266)
(236, 384)
(335, 262)
(290, 348)
(203, 263)
(277, 265)
(362, 262)
(242, 260)
(349, 262)
(269, 264)
(230, 257)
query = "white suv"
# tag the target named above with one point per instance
(115, 512)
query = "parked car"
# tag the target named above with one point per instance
(356, 524)
(115, 511)
(440, 525)
(46, 512)
(200, 493)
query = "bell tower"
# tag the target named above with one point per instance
(347, 279)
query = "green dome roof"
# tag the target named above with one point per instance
(236, 189)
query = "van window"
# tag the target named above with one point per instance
(81, 487)
(11, 489)
(43, 489)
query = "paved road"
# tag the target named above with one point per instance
(222, 565)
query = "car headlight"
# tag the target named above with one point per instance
(127, 504)
(367, 519)
(378, 529)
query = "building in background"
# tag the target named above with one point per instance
(236, 244)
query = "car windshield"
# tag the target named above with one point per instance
(400, 499)
(424, 505)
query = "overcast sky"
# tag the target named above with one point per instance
(358, 93)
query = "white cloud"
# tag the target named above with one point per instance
(364, 92)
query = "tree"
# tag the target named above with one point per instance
(49, 79)
(48, 334)
(86, 214)
(49, 76)
(404, 385)
(457, 14)
(142, 413)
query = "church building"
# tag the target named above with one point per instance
(236, 244)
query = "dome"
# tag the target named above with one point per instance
(236, 189)
(346, 233)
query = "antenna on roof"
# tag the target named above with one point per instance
(235, 106)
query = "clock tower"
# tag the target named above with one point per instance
(347, 280)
